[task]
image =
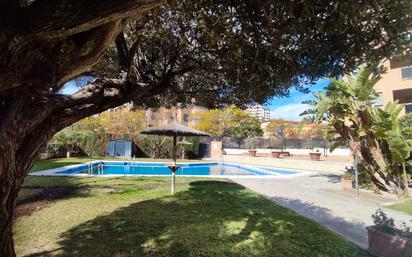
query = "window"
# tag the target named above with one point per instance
(155, 116)
(185, 117)
(379, 100)
(406, 73)
(408, 107)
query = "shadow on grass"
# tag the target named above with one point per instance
(212, 218)
(348, 228)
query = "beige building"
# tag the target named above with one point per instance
(164, 116)
(396, 83)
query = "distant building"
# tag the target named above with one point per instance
(164, 116)
(263, 114)
(396, 83)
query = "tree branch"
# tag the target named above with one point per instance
(63, 18)
(92, 49)
(123, 52)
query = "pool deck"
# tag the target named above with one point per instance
(319, 196)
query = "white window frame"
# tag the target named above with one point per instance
(407, 78)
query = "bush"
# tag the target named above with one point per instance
(155, 146)
(53, 150)
(363, 176)
(387, 225)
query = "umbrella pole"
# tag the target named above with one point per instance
(173, 189)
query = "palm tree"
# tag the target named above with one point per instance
(373, 134)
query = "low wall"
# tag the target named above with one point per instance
(336, 152)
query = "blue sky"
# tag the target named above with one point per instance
(290, 107)
(287, 108)
(70, 88)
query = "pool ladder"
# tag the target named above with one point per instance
(99, 168)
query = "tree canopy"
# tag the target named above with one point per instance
(229, 122)
(223, 52)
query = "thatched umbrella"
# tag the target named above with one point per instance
(174, 129)
(183, 143)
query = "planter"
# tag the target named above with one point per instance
(252, 153)
(387, 245)
(315, 156)
(347, 184)
(276, 154)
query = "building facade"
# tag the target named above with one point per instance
(263, 114)
(396, 83)
(164, 116)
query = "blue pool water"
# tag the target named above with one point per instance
(189, 169)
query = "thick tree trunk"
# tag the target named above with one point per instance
(12, 173)
(38, 54)
(7, 203)
(12, 177)
(27, 124)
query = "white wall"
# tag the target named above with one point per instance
(336, 152)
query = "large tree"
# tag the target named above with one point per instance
(228, 122)
(216, 51)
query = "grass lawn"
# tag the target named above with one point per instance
(403, 207)
(60, 162)
(135, 216)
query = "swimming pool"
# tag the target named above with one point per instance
(160, 169)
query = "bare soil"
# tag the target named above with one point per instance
(37, 198)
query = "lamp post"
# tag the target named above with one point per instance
(355, 161)
(280, 131)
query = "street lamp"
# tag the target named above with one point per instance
(280, 132)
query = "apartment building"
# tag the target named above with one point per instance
(164, 116)
(396, 83)
(263, 114)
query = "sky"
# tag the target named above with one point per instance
(289, 108)
(69, 88)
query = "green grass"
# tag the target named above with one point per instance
(60, 162)
(403, 207)
(55, 163)
(132, 216)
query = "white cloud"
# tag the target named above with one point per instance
(289, 111)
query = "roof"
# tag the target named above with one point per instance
(174, 129)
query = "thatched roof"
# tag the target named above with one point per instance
(174, 129)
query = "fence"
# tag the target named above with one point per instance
(274, 143)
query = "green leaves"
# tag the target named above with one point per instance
(348, 108)
(335, 145)
(231, 121)
(241, 52)
(400, 147)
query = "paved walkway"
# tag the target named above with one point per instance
(291, 163)
(319, 196)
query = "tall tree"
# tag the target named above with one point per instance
(290, 128)
(211, 50)
(230, 122)
(243, 125)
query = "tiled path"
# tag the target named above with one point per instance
(319, 196)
